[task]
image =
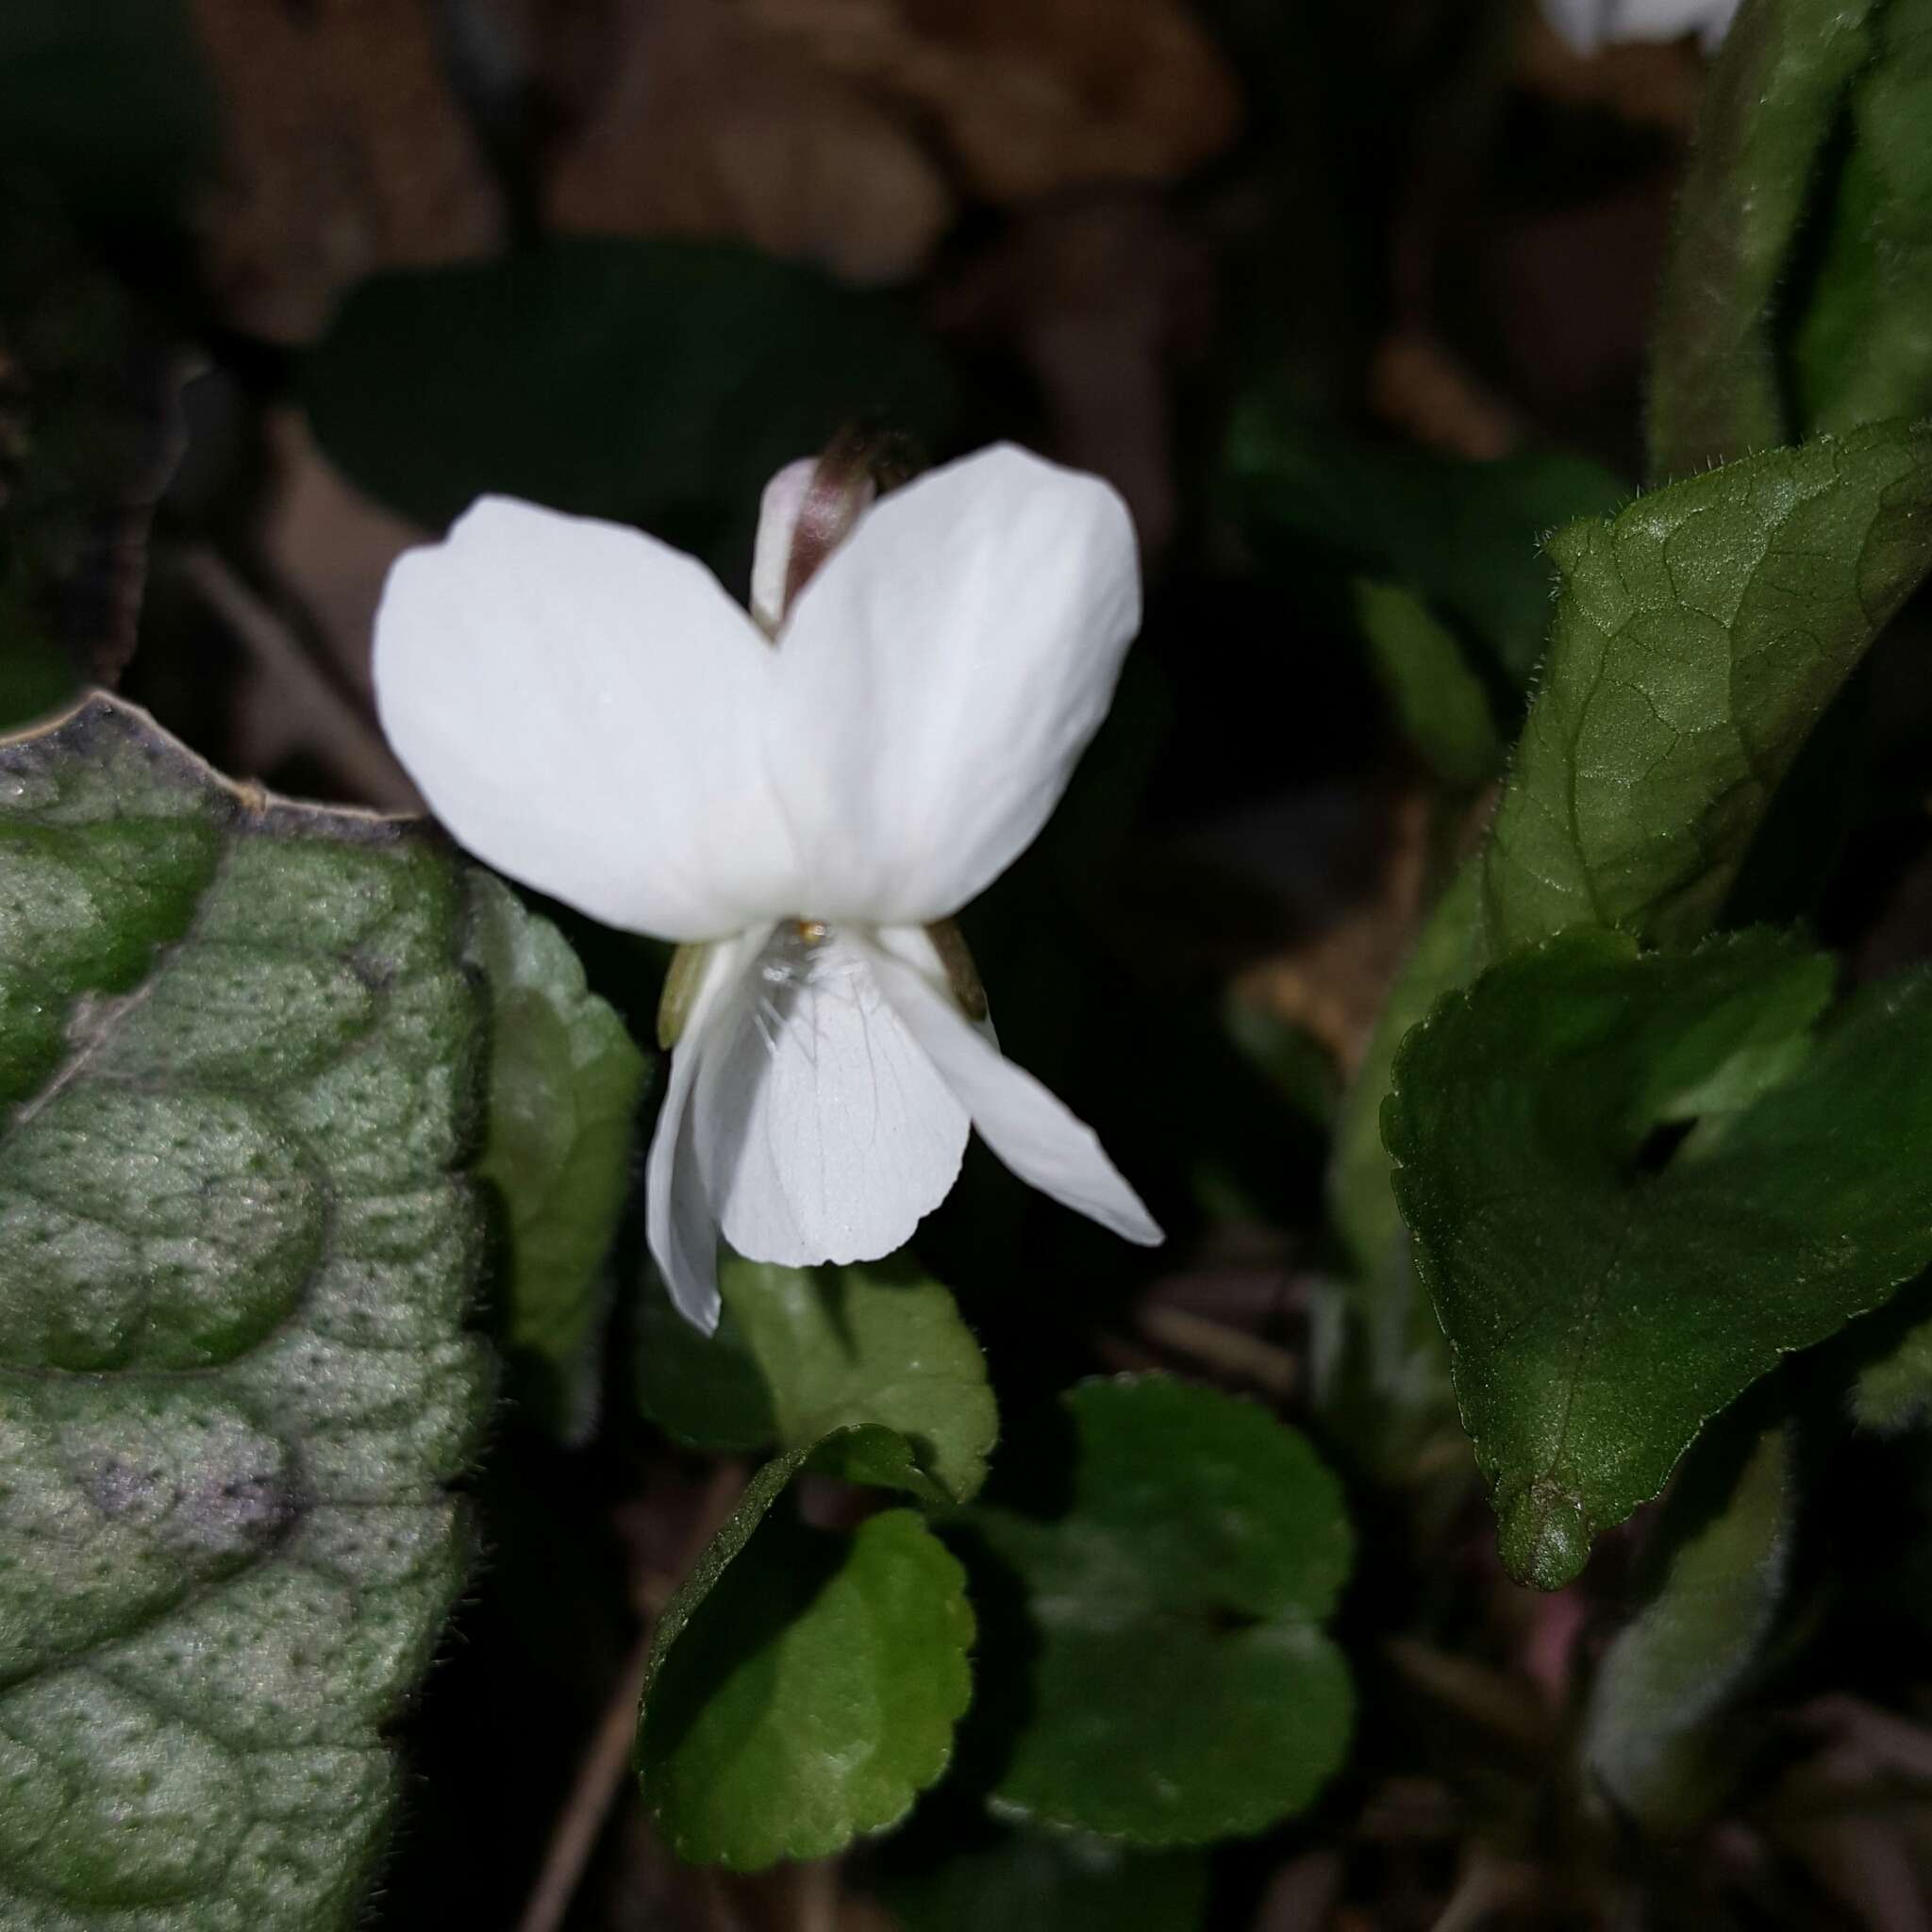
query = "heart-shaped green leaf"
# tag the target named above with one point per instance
(1699, 637)
(565, 1080)
(238, 1052)
(1183, 1690)
(1599, 1311)
(801, 1354)
(804, 1687)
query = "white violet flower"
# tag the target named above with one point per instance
(585, 708)
(1587, 24)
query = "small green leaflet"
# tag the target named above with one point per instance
(804, 1687)
(239, 1060)
(565, 1080)
(1599, 1312)
(1183, 1690)
(801, 1353)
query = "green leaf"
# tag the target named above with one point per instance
(1036, 1881)
(651, 382)
(1656, 1734)
(803, 1688)
(565, 1081)
(1862, 351)
(1463, 536)
(1769, 115)
(1598, 1312)
(1698, 639)
(801, 1354)
(1183, 1690)
(1441, 703)
(238, 1056)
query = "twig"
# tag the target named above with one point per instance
(581, 1822)
(1230, 1352)
(349, 741)
(1488, 1885)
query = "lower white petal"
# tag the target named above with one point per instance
(679, 1223)
(823, 1131)
(1036, 1136)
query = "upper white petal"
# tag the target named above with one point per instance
(1025, 1125)
(823, 1132)
(939, 678)
(771, 559)
(584, 707)
(680, 1227)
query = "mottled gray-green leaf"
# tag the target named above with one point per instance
(565, 1080)
(1655, 1735)
(1863, 349)
(803, 1353)
(1183, 1688)
(803, 1688)
(1601, 1306)
(1769, 115)
(238, 1061)
(1698, 637)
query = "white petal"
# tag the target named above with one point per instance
(823, 1131)
(770, 556)
(680, 1226)
(585, 708)
(1025, 1124)
(939, 678)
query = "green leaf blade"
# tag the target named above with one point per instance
(1699, 637)
(1717, 387)
(235, 1256)
(565, 1082)
(804, 1689)
(803, 1354)
(1183, 1690)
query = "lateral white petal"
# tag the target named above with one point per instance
(680, 1226)
(584, 707)
(941, 676)
(823, 1131)
(1031, 1130)
(1588, 24)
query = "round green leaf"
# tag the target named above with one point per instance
(1182, 1691)
(811, 1693)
